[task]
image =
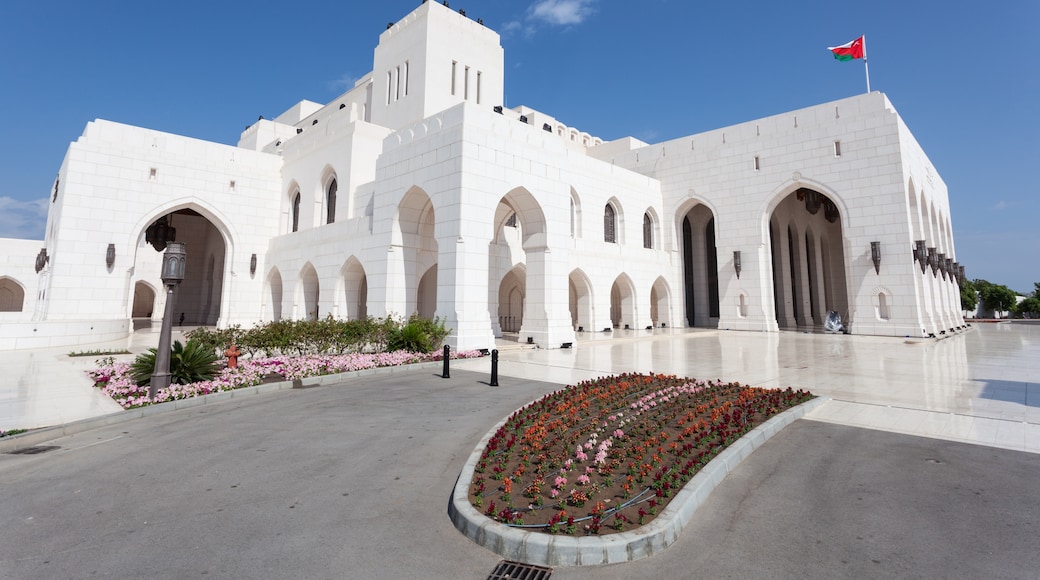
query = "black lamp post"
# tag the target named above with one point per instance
(172, 274)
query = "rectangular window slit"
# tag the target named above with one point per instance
(151, 174)
(478, 86)
(758, 164)
(406, 77)
(397, 84)
(231, 186)
(454, 67)
(837, 148)
(389, 85)
(465, 85)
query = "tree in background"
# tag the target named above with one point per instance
(969, 296)
(995, 297)
(1029, 308)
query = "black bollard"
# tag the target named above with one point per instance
(494, 368)
(447, 355)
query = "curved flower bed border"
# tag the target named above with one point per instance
(556, 548)
(115, 381)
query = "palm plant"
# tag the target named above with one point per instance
(189, 363)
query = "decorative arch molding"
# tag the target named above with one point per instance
(530, 215)
(882, 300)
(779, 194)
(215, 217)
(413, 212)
(692, 200)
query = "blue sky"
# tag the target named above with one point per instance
(960, 73)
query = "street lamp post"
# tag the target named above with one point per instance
(172, 274)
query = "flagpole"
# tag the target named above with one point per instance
(865, 67)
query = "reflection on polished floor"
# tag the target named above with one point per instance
(981, 386)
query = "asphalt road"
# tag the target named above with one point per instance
(353, 481)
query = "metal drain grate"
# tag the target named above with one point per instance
(34, 450)
(518, 571)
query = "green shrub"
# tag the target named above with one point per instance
(417, 335)
(189, 363)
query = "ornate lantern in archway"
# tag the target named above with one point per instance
(160, 232)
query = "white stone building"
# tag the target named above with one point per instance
(416, 192)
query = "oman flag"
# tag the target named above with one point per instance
(849, 50)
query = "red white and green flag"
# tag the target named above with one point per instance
(849, 50)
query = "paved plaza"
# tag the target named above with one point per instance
(922, 464)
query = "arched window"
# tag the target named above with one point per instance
(296, 213)
(609, 224)
(648, 231)
(330, 202)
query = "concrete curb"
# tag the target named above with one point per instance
(37, 436)
(549, 550)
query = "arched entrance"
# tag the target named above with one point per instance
(426, 294)
(273, 296)
(516, 255)
(307, 292)
(581, 302)
(199, 297)
(511, 299)
(808, 260)
(12, 295)
(354, 296)
(660, 305)
(700, 267)
(414, 250)
(623, 303)
(144, 300)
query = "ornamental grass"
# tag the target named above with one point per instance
(607, 455)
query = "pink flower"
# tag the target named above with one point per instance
(560, 481)
(583, 480)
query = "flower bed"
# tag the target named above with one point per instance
(604, 456)
(114, 379)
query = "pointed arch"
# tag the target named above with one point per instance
(623, 306)
(143, 305)
(271, 305)
(208, 270)
(352, 299)
(308, 290)
(12, 295)
(512, 294)
(330, 189)
(581, 301)
(808, 257)
(660, 303)
(575, 214)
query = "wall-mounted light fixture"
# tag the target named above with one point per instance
(41, 260)
(875, 256)
(921, 254)
(933, 260)
(950, 269)
(252, 265)
(960, 274)
(941, 259)
(736, 263)
(523, 119)
(110, 255)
